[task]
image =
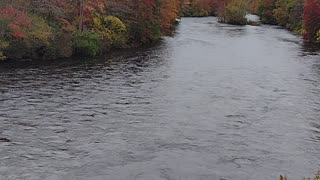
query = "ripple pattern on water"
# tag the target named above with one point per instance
(213, 102)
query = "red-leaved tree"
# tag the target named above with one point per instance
(311, 17)
(13, 22)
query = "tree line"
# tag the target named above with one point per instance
(62, 28)
(300, 16)
(48, 29)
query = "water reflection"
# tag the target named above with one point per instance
(310, 49)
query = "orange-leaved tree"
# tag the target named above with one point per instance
(169, 12)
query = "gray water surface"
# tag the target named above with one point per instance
(214, 102)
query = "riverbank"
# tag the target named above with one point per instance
(298, 16)
(61, 29)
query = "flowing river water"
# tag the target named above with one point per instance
(213, 102)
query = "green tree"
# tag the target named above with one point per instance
(295, 8)
(234, 12)
(266, 8)
(281, 12)
(112, 29)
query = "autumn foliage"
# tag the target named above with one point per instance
(266, 9)
(301, 16)
(14, 22)
(311, 18)
(169, 12)
(233, 12)
(199, 8)
(36, 28)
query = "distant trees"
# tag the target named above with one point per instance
(233, 12)
(36, 28)
(199, 8)
(301, 16)
(209, 5)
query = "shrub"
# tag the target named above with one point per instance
(194, 11)
(235, 12)
(200, 13)
(29, 35)
(316, 177)
(13, 22)
(146, 32)
(86, 43)
(295, 8)
(266, 8)
(55, 50)
(281, 12)
(112, 30)
(2, 57)
(39, 37)
(3, 45)
(39, 31)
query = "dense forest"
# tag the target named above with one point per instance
(47, 29)
(62, 28)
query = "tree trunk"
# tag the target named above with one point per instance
(81, 14)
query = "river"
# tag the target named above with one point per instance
(213, 102)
